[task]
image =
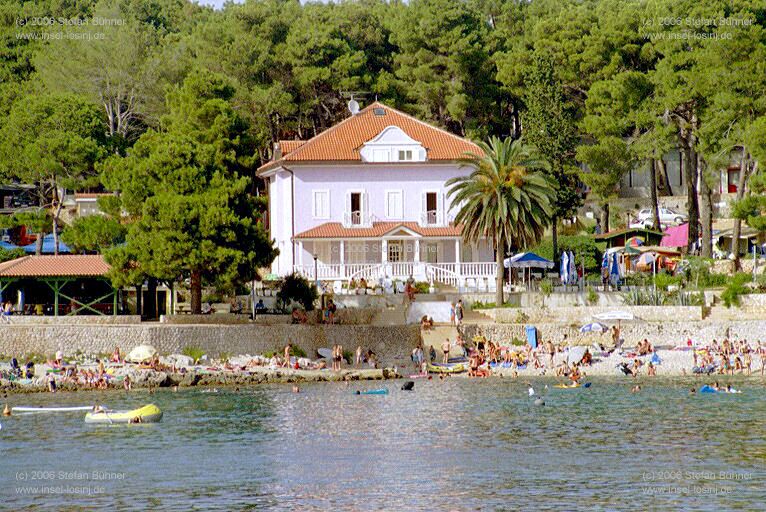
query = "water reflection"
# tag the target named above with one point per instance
(456, 444)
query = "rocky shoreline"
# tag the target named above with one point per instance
(207, 378)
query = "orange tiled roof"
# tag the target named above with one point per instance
(91, 195)
(80, 265)
(343, 141)
(288, 146)
(378, 229)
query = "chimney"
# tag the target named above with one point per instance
(277, 152)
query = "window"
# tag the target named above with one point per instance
(395, 250)
(378, 111)
(394, 204)
(431, 207)
(405, 155)
(356, 208)
(321, 206)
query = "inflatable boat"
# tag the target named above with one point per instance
(146, 414)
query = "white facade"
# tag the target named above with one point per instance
(388, 214)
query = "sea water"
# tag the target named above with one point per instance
(456, 444)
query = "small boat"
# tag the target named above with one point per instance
(446, 368)
(146, 414)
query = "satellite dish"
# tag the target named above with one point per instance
(353, 107)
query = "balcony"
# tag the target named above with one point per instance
(357, 219)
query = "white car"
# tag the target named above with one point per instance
(667, 216)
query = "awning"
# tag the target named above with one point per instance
(527, 260)
(676, 236)
(48, 246)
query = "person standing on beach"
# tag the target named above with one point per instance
(288, 348)
(459, 312)
(550, 349)
(358, 360)
(445, 349)
(452, 314)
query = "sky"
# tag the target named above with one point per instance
(218, 3)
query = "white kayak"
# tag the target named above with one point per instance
(53, 409)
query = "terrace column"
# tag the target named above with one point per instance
(343, 258)
(300, 254)
(416, 256)
(383, 251)
(457, 256)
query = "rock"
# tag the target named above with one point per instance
(177, 360)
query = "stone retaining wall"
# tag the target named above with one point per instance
(73, 320)
(659, 333)
(389, 341)
(583, 314)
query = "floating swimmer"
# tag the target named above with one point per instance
(7, 410)
(539, 401)
(531, 391)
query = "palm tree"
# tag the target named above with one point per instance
(504, 198)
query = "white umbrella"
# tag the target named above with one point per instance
(572, 268)
(141, 354)
(564, 270)
(575, 355)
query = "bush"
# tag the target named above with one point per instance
(664, 280)
(698, 275)
(195, 353)
(297, 288)
(592, 297)
(737, 286)
(422, 287)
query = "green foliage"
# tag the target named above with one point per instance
(422, 287)
(11, 254)
(591, 297)
(735, 288)
(479, 305)
(195, 353)
(580, 245)
(663, 280)
(348, 356)
(698, 275)
(297, 288)
(185, 185)
(93, 233)
(517, 342)
(503, 197)
(546, 287)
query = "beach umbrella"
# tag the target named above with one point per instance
(141, 354)
(564, 269)
(634, 241)
(614, 270)
(575, 355)
(572, 269)
(594, 327)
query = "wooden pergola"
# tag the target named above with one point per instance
(59, 273)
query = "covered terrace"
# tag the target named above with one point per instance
(58, 285)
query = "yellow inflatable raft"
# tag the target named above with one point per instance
(146, 414)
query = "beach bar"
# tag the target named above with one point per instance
(58, 285)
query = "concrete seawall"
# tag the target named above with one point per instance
(388, 341)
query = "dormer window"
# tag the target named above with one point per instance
(393, 145)
(378, 111)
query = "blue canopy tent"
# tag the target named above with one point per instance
(527, 260)
(48, 246)
(8, 246)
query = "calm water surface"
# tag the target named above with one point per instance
(452, 445)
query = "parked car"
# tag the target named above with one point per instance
(667, 216)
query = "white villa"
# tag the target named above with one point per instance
(366, 199)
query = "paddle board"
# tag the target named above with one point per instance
(325, 352)
(383, 391)
(53, 409)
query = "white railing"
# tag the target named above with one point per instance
(357, 219)
(479, 269)
(441, 274)
(432, 218)
(448, 273)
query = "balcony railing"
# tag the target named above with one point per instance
(356, 219)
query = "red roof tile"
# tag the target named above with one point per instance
(378, 229)
(56, 266)
(343, 141)
(288, 146)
